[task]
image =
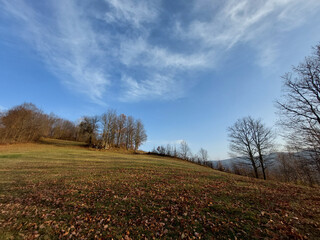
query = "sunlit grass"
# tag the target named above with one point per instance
(60, 189)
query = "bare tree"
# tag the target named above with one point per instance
(203, 155)
(300, 107)
(23, 123)
(121, 123)
(121, 131)
(220, 166)
(161, 150)
(61, 128)
(174, 151)
(109, 123)
(293, 168)
(242, 144)
(239, 169)
(129, 132)
(263, 140)
(169, 150)
(286, 169)
(140, 135)
(88, 127)
(185, 151)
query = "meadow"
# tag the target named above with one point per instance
(63, 190)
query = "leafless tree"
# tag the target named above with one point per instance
(129, 126)
(121, 122)
(220, 167)
(161, 150)
(121, 131)
(109, 124)
(23, 123)
(300, 107)
(169, 150)
(61, 128)
(263, 141)
(88, 127)
(195, 158)
(175, 151)
(140, 135)
(293, 168)
(286, 170)
(242, 144)
(185, 151)
(203, 155)
(239, 169)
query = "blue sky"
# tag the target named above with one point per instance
(188, 69)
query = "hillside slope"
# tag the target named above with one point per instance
(59, 190)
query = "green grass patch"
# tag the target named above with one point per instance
(10, 155)
(61, 190)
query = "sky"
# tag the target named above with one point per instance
(187, 69)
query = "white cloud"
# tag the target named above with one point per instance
(67, 43)
(139, 52)
(130, 36)
(247, 21)
(268, 53)
(135, 12)
(241, 20)
(155, 87)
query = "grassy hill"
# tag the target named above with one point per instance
(61, 190)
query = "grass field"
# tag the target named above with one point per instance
(61, 190)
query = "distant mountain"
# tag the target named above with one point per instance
(272, 160)
(230, 162)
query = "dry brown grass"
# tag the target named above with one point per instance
(61, 190)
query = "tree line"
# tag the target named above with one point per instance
(184, 152)
(27, 123)
(111, 130)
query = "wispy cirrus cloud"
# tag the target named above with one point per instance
(151, 46)
(246, 21)
(138, 52)
(66, 42)
(155, 87)
(132, 12)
